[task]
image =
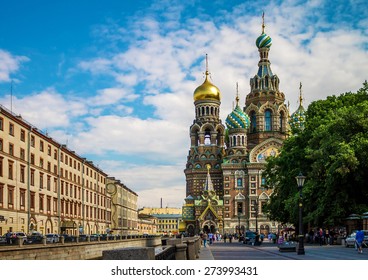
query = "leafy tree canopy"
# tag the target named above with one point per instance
(332, 151)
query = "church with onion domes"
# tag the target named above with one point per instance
(225, 189)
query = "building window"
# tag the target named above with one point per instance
(22, 135)
(22, 154)
(239, 182)
(41, 162)
(22, 173)
(41, 203)
(253, 121)
(41, 145)
(1, 194)
(1, 144)
(11, 149)
(41, 180)
(55, 154)
(10, 170)
(49, 150)
(268, 120)
(22, 198)
(11, 129)
(55, 204)
(10, 196)
(48, 204)
(32, 159)
(32, 141)
(32, 177)
(48, 182)
(1, 124)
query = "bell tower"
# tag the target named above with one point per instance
(206, 139)
(265, 102)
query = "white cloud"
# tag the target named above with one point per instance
(110, 96)
(9, 64)
(154, 140)
(47, 109)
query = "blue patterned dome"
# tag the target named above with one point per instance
(264, 41)
(297, 119)
(237, 119)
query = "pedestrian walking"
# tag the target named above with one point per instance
(8, 237)
(359, 238)
(204, 238)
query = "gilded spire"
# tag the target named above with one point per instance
(207, 90)
(207, 71)
(208, 185)
(237, 95)
(300, 95)
(263, 23)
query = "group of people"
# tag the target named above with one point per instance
(209, 237)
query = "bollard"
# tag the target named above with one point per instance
(190, 250)
(181, 251)
(44, 240)
(77, 239)
(88, 238)
(20, 241)
(196, 248)
(62, 239)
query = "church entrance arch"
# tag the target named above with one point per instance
(209, 226)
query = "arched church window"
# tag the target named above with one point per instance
(207, 137)
(240, 208)
(202, 111)
(268, 120)
(234, 140)
(207, 111)
(253, 121)
(211, 111)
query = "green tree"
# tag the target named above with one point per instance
(332, 151)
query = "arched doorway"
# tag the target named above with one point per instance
(265, 229)
(190, 230)
(48, 226)
(209, 226)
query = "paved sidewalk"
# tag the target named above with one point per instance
(205, 253)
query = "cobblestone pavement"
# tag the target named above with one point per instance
(269, 251)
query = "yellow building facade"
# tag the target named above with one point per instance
(46, 187)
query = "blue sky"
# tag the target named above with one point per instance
(115, 79)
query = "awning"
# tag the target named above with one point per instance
(68, 224)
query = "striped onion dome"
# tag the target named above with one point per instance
(237, 119)
(263, 41)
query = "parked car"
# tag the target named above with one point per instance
(52, 238)
(83, 237)
(15, 235)
(68, 238)
(34, 237)
(3, 239)
(350, 240)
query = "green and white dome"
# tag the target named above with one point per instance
(237, 119)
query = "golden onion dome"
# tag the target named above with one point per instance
(207, 90)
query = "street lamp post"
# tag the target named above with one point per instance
(239, 224)
(300, 180)
(256, 214)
